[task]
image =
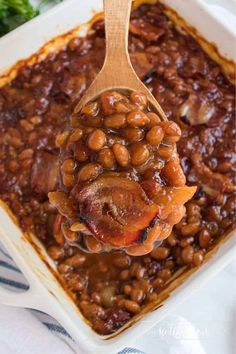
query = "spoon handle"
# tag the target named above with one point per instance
(117, 16)
(117, 72)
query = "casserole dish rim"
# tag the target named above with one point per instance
(32, 299)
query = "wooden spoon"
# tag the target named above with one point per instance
(117, 72)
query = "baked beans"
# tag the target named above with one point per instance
(35, 111)
(122, 149)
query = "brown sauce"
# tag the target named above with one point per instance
(192, 89)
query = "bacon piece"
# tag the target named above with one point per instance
(45, 173)
(171, 198)
(214, 180)
(197, 111)
(116, 210)
(168, 198)
(145, 30)
(63, 203)
(141, 64)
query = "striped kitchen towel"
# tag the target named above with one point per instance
(28, 331)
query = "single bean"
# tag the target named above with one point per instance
(139, 98)
(190, 229)
(165, 152)
(158, 283)
(173, 173)
(127, 289)
(204, 238)
(68, 180)
(192, 209)
(106, 158)
(61, 139)
(76, 135)
(123, 107)
(187, 254)
(26, 154)
(155, 135)
(89, 172)
(90, 109)
(75, 283)
(132, 306)
(164, 274)
(172, 131)
(92, 244)
(121, 154)
(137, 295)
(81, 152)
(97, 140)
(36, 120)
(26, 125)
(122, 261)
(145, 285)
(152, 297)
(115, 121)
(133, 134)
(198, 258)
(139, 153)
(137, 118)
(153, 119)
(75, 261)
(172, 241)
(160, 253)
(92, 311)
(184, 242)
(68, 166)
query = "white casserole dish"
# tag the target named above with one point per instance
(46, 293)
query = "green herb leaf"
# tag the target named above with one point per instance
(13, 13)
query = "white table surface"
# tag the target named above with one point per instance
(211, 310)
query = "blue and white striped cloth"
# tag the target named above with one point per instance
(12, 279)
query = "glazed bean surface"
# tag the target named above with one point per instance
(192, 89)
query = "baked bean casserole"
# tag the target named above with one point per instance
(35, 108)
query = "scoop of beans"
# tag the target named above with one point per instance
(128, 140)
